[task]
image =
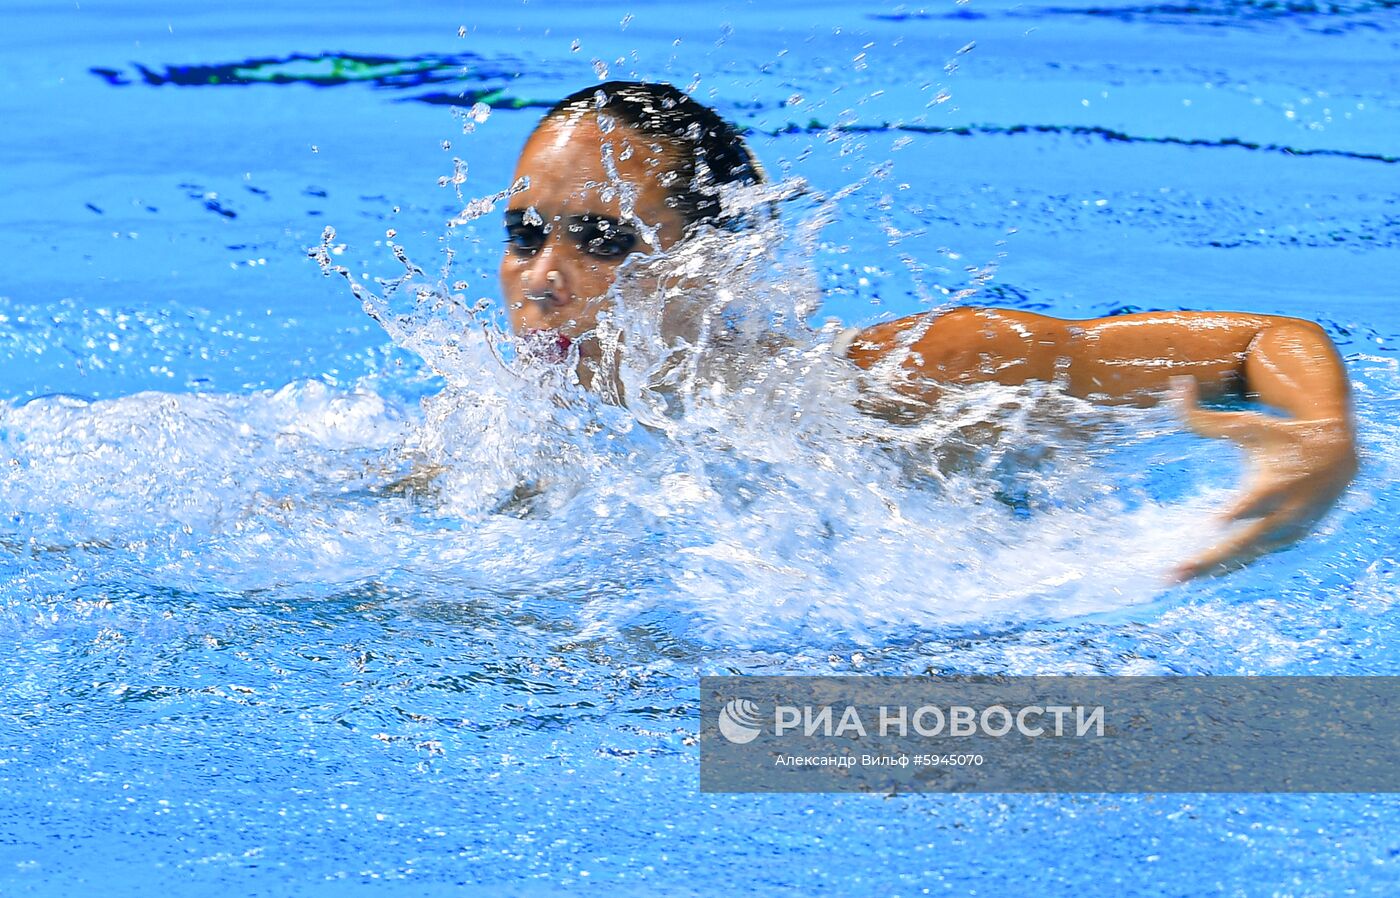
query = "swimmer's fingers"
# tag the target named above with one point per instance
(1298, 468)
(1259, 537)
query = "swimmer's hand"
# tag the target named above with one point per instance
(1298, 469)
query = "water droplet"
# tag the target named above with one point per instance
(626, 20)
(966, 48)
(532, 217)
(461, 30)
(573, 47)
(391, 233)
(600, 69)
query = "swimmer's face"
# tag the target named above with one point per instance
(567, 233)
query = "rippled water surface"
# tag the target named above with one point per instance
(306, 594)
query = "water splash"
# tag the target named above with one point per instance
(722, 483)
(723, 468)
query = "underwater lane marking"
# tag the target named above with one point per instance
(1107, 134)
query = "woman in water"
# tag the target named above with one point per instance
(626, 168)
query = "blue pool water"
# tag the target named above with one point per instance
(244, 658)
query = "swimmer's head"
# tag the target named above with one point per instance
(614, 170)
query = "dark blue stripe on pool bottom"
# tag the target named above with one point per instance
(1107, 134)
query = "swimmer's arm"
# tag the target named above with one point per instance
(1301, 464)
(1284, 362)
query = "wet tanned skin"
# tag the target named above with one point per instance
(1286, 362)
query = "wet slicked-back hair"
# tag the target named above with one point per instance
(710, 153)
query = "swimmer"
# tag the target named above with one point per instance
(626, 168)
